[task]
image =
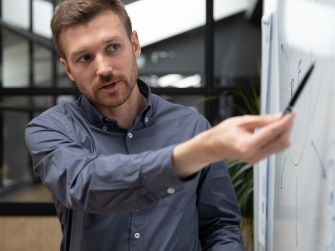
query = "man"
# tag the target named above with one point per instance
(128, 170)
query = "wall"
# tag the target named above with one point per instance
(30, 233)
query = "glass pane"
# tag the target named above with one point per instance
(62, 79)
(29, 192)
(173, 50)
(42, 14)
(15, 59)
(44, 102)
(60, 98)
(236, 51)
(15, 155)
(195, 102)
(16, 12)
(17, 101)
(18, 181)
(225, 108)
(42, 66)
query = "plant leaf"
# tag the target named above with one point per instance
(255, 103)
(242, 169)
(246, 101)
(205, 99)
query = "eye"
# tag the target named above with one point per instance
(113, 47)
(84, 58)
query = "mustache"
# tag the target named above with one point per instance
(108, 79)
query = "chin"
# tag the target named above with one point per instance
(111, 102)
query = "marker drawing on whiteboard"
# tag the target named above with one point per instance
(282, 50)
(278, 191)
(299, 71)
(283, 174)
(292, 87)
(318, 93)
(296, 212)
(320, 161)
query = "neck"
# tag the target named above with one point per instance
(126, 113)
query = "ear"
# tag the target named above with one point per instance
(67, 68)
(136, 44)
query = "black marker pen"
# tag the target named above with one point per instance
(298, 91)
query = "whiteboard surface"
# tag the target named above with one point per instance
(304, 175)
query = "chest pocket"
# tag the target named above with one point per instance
(183, 200)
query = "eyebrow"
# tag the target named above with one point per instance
(76, 53)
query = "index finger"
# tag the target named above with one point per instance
(271, 131)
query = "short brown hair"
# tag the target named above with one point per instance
(71, 12)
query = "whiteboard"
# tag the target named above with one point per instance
(302, 182)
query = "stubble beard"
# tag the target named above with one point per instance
(117, 98)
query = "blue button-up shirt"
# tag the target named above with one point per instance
(115, 189)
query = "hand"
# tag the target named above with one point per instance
(235, 139)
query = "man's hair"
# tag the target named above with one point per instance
(71, 12)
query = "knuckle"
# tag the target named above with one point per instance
(243, 149)
(285, 143)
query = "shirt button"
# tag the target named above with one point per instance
(170, 190)
(146, 120)
(130, 135)
(104, 128)
(137, 235)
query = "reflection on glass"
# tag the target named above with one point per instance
(15, 168)
(42, 66)
(172, 51)
(172, 80)
(195, 102)
(237, 47)
(17, 101)
(15, 59)
(18, 181)
(43, 102)
(61, 98)
(226, 107)
(16, 12)
(31, 192)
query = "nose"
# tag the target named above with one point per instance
(103, 65)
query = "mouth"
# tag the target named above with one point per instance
(108, 85)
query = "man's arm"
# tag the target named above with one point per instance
(234, 139)
(103, 184)
(123, 183)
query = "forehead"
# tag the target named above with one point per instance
(103, 26)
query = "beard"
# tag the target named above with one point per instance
(114, 99)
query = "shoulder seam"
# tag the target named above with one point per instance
(61, 119)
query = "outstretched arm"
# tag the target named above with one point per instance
(235, 139)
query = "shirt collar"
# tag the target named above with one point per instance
(100, 120)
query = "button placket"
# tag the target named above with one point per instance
(137, 230)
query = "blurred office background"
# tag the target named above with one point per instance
(194, 52)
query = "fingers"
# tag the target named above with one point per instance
(253, 122)
(276, 145)
(270, 132)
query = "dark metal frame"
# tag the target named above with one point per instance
(33, 209)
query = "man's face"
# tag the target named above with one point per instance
(101, 59)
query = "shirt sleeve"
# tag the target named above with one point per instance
(82, 180)
(218, 211)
